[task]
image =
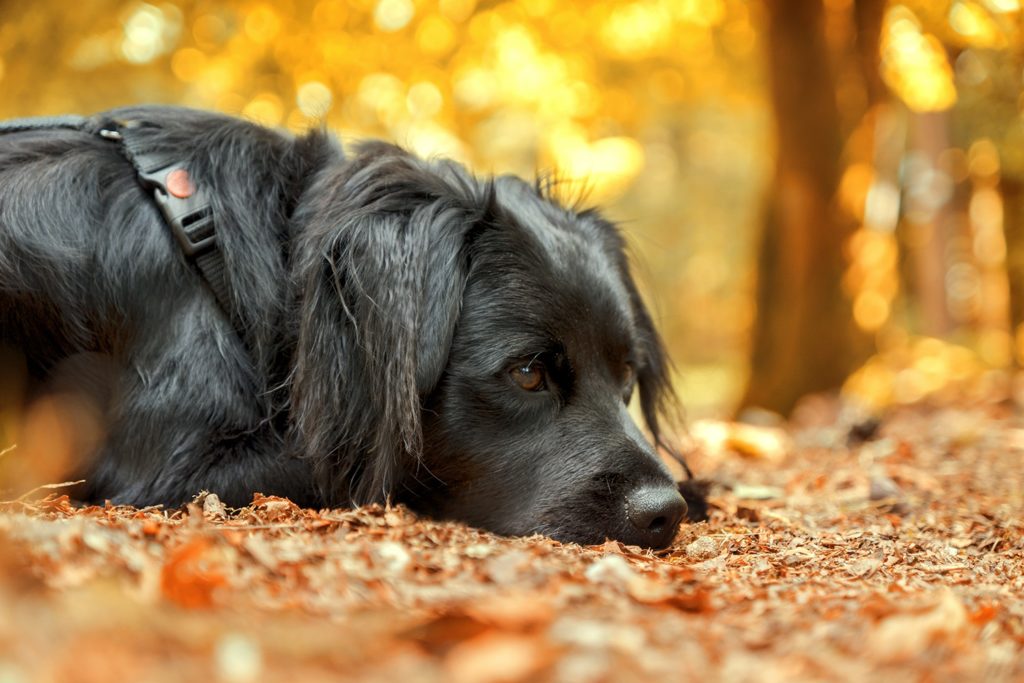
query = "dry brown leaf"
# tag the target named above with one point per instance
(497, 658)
(513, 611)
(442, 633)
(704, 548)
(185, 580)
(903, 636)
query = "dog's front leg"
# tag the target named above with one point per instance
(191, 414)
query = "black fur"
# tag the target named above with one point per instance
(383, 302)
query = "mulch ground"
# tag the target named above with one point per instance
(832, 553)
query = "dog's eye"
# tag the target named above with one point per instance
(529, 376)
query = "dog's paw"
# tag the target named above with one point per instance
(695, 493)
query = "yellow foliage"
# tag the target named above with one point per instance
(916, 369)
(970, 20)
(914, 63)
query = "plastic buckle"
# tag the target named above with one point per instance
(189, 216)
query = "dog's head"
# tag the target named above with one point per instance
(470, 348)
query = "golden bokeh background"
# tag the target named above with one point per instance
(664, 112)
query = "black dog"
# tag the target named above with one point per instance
(392, 329)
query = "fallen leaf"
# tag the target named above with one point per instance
(757, 492)
(704, 548)
(185, 580)
(496, 658)
(903, 636)
(515, 611)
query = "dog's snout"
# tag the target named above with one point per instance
(654, 513)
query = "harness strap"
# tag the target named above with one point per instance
(186, 207)
(41, 123)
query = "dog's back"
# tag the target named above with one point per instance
(89, 270)
(83, 246)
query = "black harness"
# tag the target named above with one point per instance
(186, 207)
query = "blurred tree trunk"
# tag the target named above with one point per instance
(934, 226)
(1013, 228)
(868, 16)
(804, 337)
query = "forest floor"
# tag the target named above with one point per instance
(833, 552)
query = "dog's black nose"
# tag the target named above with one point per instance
(655, 513)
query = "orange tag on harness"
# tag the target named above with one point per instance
(179, 184)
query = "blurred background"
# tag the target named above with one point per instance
(822, 195)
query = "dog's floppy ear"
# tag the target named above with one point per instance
(653, 374)
(380, 268)
(653, 381)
